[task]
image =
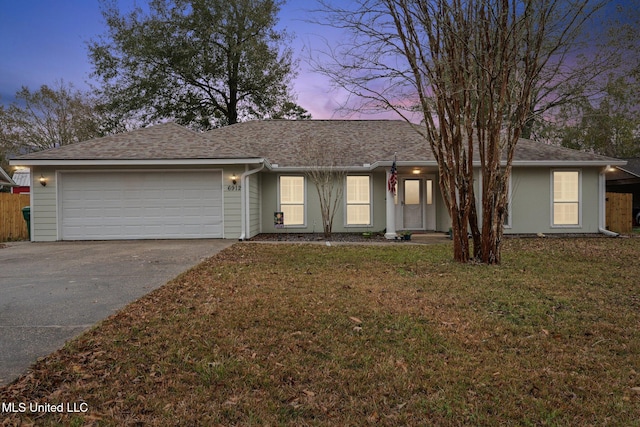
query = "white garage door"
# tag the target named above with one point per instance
(140, 205)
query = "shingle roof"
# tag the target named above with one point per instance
(528, 150)
(287, 143)
(345, 142)
(632, 166)
(163, 141)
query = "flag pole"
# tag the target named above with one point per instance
(393, 176)
(392, 182)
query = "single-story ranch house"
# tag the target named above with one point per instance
(166, 181)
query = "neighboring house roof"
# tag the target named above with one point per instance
(290, 144)
(625, 174)
(22, 178)
(5, 179)
(632, 167)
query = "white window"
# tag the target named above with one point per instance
(429, 191)
(566, 198)
(292, 199)
(358, 200)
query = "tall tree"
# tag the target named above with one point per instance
(203, 63)
(290, 111)
(608, 124)
(46, 118)
(604, 51)
(471, 68)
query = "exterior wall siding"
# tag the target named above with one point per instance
(44, 200)
(313, 215)
(531, 202)
(443, 220)
(44, 209)
(232, 201)
(254, 205)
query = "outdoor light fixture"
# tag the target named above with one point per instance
(416, 171)
(43, 181)
(610, 168)
(234, 179)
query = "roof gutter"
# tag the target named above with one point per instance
(519, 163)
(244, 199)
(135, 162)
(602, 189)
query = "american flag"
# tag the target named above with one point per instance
(393, 178)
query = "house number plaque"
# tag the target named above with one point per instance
(234, 187)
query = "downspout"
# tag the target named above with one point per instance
(602, 186)
(244, 200)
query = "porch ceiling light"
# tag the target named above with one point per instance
(416, 171)
(43, 181)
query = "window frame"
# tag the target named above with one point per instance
(303, 204)
(554, 202)
(347, 204)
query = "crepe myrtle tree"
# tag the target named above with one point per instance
(468, 69)
(322, 169)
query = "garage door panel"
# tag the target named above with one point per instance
(138, 205)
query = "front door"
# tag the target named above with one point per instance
(412, 204)
(415, 203)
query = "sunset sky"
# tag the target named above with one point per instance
(42, 41)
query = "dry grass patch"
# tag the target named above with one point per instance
(354, 335)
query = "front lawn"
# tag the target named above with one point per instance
(275, 334)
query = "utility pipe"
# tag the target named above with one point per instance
(602, 186)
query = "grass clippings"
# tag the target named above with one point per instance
(265, 334)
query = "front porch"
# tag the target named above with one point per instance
(414, 206)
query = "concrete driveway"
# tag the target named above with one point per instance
(51, 292)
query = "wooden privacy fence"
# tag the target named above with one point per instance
(619, 212)
(12, 224)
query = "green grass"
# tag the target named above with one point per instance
(267, 334)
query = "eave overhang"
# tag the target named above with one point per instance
(274, 167)
(137, 162)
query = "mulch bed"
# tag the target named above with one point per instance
(317, 237)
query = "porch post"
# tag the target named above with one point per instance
(391, 212)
